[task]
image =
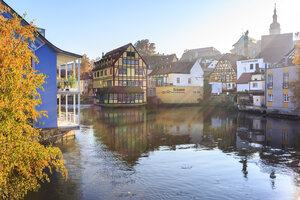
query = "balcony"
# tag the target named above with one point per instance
(68, 94)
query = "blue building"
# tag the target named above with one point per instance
(61, 95)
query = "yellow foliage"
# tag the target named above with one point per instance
(23, 160)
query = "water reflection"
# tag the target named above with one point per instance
(139, 153)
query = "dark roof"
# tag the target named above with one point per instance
(41, 37)
(159, 60)
(113, 56)
(244, 78)
(275, 47)
(179, 67)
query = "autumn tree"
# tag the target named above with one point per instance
(145, 48)
(295, 85)
(24, 162)
(85, 65)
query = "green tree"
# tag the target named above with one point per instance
(145, 48)
(23, 160)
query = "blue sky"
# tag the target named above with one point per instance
(96, 26)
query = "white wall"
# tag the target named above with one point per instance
(243, 66)
(258, 100)
(216, 87)
(242, 87)
(260, 85)
(196, 76)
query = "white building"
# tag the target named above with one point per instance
(179, 74)
(243, 82)
(250, 66)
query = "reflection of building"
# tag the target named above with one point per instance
(51, 60)
(119, 78)
(180, 82)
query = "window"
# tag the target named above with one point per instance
(257, 66)
(105, 72)
(136, 62)
(101, 73)
(254, 85)
(270, 97)
(251, 66)
(130, 54)
(139, 71)
(110, 71)
(124, 61)
(122, 71)
(109, 83)
(285, 80)
(95, 74)
(190, 80)
(270, 80)
(286, 98)
(178, 80)
(98, 74)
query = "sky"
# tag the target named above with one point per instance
(95, 26)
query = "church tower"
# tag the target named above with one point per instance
(275, 26)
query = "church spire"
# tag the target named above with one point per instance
(275, 26)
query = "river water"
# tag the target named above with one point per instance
(178, 153)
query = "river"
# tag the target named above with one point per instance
(178, 153)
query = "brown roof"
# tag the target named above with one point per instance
(275, 47)
(155, 61)
(179, 67)
(112, 57)
(244, 78)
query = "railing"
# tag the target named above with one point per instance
(69, 119)
(67, 85)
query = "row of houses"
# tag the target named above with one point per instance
(258, 70)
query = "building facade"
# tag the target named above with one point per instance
(224, 76)
(179, 83)
(120, 78)
(57, 88)
(251, 66)
(279, 92)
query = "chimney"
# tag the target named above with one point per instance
(102, 54)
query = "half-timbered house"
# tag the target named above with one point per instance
(119, 78)
(224, 76)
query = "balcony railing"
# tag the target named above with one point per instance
(67, 85)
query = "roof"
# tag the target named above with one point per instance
(41, 37)
(275, 47)
(206, 52)
(242, 39)
(113, 56)
(179, 67)
(232, 58)
(160, 60)
(244, 78)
